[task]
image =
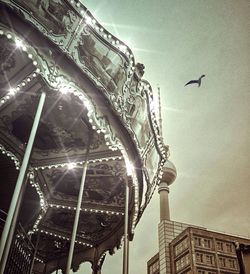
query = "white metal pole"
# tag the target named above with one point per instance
(126, 242)
(35, 252)
(20, 179)
(78, 208)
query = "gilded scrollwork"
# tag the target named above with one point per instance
(105, 65)
(53, 15)
(96, 192)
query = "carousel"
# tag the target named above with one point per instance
(81, 147)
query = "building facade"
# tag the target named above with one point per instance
(153, 265)
(195, 250)
(167, 231)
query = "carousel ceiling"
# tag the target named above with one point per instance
(96, 101)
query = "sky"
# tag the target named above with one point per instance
(207, 128)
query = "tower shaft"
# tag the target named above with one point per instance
(163, 190)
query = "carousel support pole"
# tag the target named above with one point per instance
(126, 242)
(12, 227)
(20, 181)
(78, 209)
(35, 251)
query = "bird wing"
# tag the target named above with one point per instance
(191, 82)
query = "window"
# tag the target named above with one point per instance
(154, 268)
(222, 262)
(209, 259)
(197, 241)
(207, 243)
(220, 246)
(232, 263)
(199, 257)
(202, 242)
(204, 258)
(182, 262)
(180, 247)
(229, 247)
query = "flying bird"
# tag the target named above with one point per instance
(195, 81)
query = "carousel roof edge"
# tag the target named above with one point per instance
(88, 21)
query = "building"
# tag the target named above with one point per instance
(153, 265)
(168, 231)
(189, 249)
(196, 250)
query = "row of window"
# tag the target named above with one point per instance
(204, 258)
(209, 259)
(226, 247)
(154, 268)
(182, 262)
(208, 244)
(225, 262)
(203, 242)
(180, 247)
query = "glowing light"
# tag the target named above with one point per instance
(129, 167)
(88, 105)
(88, 20)
(19, 43)
(71, 165)
(12, 91)
(24, 48)
(63, 90)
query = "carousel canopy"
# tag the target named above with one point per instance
(97, 109)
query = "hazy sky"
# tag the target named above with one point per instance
(207, 128)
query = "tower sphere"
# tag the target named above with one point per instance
(169, 173)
